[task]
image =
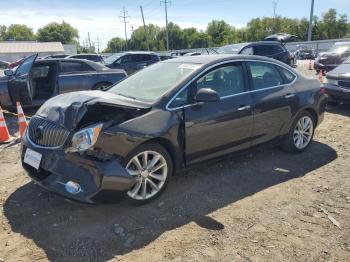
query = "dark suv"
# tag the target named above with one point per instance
(92, 57)
(131, 61)
(272, 49)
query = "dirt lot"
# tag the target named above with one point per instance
(265, 205)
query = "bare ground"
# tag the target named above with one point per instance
(265, 205)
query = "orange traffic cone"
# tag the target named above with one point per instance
(4, 132)
(22, 123)
(310, 65)
(320, 76)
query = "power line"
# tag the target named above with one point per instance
(166, 2)
(124, 16)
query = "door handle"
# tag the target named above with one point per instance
(242, 108)
(289, 96)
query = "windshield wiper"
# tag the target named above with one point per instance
(131, 97)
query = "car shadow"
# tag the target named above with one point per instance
(70, 231)
(342, 109)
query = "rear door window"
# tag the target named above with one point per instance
(287, 75)
(264, 75)
(266, 50)
(71, 67)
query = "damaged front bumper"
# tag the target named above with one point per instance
(97, 180)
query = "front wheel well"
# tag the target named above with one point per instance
(176, 156)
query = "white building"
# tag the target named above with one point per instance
(14, 50)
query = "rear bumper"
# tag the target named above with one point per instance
(319, 66)
(337, 94)
(99, 180)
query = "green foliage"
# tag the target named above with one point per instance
(16, 32)
(115, 45)
(218, 32)
(55, 32)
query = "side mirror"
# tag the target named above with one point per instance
(207, 95)
(8, 72)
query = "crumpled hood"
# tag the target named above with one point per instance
(68, 109)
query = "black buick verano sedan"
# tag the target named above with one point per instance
(131, 139)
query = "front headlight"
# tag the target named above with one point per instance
(85, 138)
(331, 81)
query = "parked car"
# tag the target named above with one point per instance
(282, 38)
(165, 57)
(55, 56)
(92, 57)
(337, 84)
(192, 54)
(132, 138)
(272, 49)
(329, 60)
(303, 52)
(3, 64)
(33, 82)
(131, 61)
(15, 64)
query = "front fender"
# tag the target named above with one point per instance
(121, 139)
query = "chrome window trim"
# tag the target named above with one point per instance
(229, 96)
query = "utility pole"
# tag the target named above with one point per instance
(124, 17)
(89, 41)
(98, 43)
(274, 6)
(309, 33)
(144, 27)
(166, 2)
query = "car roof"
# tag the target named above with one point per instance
(84, 55)
(138, 53)
(217, 58)
(95, 65)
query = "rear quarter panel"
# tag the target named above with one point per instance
(310, 97)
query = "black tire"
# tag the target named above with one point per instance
(154, 147)
(101, 86)
(289, 144)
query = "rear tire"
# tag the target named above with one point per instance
(152, 164)
(301, 133)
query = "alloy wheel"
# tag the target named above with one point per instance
(151, 171)
(303, 132)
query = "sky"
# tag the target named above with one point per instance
(101, 18)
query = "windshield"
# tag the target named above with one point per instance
(340, 48)
(112, 58)
(231, 49)
(153, 82)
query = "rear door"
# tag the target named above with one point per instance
(75, 76)
(216, 128)
(274, 99)
(20, 88)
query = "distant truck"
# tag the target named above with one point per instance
(35, 81)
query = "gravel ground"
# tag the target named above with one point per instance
(265, 205)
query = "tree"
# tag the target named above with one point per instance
(115, 45)
(55, 32)
(2, 32)
(220, 33)
(17, 32)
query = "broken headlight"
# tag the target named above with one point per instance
(85, 138)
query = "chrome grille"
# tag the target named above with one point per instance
(46, 133)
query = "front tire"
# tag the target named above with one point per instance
(152, 166)
(301, 133)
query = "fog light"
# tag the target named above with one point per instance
(72, 187)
